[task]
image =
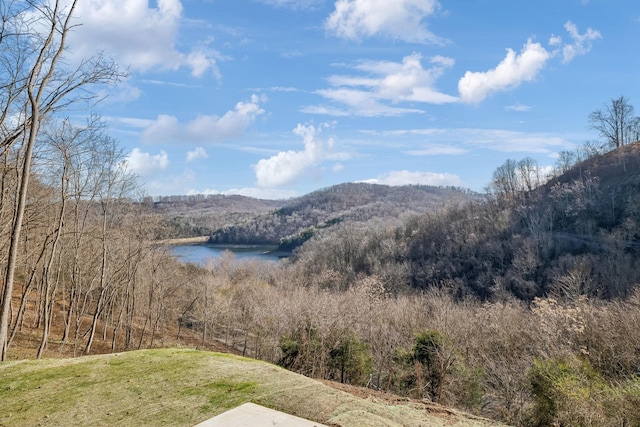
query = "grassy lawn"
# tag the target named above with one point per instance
(178, 387)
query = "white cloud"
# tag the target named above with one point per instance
(450, 140)
(518, 108)
(397, 19)
(122, 93)
(205, 128)
(514, 69)
(287, 166)
(555, 40)
(283, 89)
(384, 82)
(438, 150)
(357, 103)
(146, 164)
(137, 35)
(404, 177)
(581, 42)
(546, 172)
(165, 184)
(508, 141)
(257, 193)
(198, 153)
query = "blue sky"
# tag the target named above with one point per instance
(277, 98)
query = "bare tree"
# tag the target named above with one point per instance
(33, 36)
(616, 123)
(529, 173)
(505, 182)
(565, 161)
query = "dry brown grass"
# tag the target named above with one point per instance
(183, 387)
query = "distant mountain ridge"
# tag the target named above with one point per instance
(207, 203)
(297, 220)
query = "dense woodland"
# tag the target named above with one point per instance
(301, 218)
(520, 305)
(200, 215)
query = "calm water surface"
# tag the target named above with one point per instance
(200, 253)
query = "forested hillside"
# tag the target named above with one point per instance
(576, 234)
(299, 219)
(200, 215)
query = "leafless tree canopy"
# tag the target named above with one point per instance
(616, 123)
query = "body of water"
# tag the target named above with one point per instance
(201, 253)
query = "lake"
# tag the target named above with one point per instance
(200, 253)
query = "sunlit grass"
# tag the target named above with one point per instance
(171, 387)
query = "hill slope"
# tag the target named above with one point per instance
(184, 387)
(299, 218)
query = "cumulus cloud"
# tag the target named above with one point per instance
(287, 166)
(405, 177)
(398, 20)
(514, 69)
(137, 35)
(581, 42)
(146, 164)
(205, 128)
(198, 153)
(381, 83)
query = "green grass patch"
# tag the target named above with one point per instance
(172, 387)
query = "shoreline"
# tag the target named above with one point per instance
(184, 240)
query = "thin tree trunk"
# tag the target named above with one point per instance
(94, 322)
(15, 235)
(49, 293)
(103, 279)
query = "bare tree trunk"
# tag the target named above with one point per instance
(184, 313)
(94, 322)
(131, 306)
(103, 281)
(67, 319)
(26, 291)
(49, 288)
(16, 229)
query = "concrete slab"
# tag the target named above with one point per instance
(252, 415)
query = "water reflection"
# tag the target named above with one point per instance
(200, 254)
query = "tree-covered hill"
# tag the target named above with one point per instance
(199, 215)
(300, 218)
(577, 234)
